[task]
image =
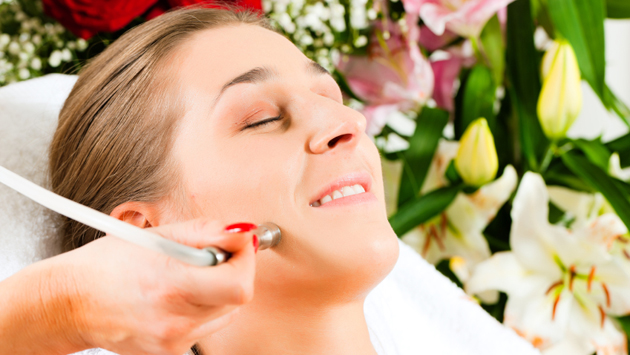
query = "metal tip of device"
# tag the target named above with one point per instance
(269, 235)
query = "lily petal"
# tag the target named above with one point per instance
(533, 239)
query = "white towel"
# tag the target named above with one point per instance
(415, 310)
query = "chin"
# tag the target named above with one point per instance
(338, 262)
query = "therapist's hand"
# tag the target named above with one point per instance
(118, 296)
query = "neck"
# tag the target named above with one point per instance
(282, 329)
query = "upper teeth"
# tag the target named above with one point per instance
(343, 192)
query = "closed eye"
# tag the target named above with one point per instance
(262, 123)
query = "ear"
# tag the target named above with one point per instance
(140, 214)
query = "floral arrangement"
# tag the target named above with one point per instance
(469, 102)
(31, 44)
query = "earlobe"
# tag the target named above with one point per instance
(136, 213)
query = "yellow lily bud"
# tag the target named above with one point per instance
(560, 99)
(476, 161)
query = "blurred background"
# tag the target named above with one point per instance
(618, 77)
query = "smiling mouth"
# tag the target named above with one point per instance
(340, 193)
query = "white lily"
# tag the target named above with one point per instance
(583, 208)
(615, 169)
(457, 232)
(562, 284)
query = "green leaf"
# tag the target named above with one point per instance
(492, 41)
(343, 84)
(599, 180)
(625, 325)
(582, 24)
(422, 209)
(422, 146)
(451, 173)
(621, 145)
(595, 151)
(618, 8)
(478, 100)
(616, 105)
(524, 79)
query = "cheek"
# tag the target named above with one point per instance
(232, 182)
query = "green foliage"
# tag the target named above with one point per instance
(524, 82)
(422, 209)
(494, 48)
(478, 100)
(599, 180)
(417, 158)
(621, 145)
(582, 24)
(618, 9)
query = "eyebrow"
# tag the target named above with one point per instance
(261, 74)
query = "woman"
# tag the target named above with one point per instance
(209, 113)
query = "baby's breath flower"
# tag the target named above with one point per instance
(360, 41)
(14, 48)
(37, 39)
(23, 57)
(36, 63)
(4, 39)
(55, 59)
(29, 47)
(306, 40)
(81, 44)
(329, 39)
(24, 74)
(371, 14)
(66, 55)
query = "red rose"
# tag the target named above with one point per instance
(85, 18)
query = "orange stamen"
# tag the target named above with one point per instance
(443, 224)
(571, 277)
(625, 253)
(607, 294)
(555, 305)
(603, 315)
(554, 285)
(591, 275)
(434, 232)
(427, 244)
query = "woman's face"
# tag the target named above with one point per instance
(269, 146)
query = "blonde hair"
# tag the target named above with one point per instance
(116, 127)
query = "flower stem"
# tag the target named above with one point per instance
(551, 151)
(477, 49)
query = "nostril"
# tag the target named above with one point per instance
(342, 138)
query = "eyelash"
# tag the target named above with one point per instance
(263, 122)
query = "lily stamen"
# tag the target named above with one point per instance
(554, 285)
(607, 294)
(591, 275)
(571, 277)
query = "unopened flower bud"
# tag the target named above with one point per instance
(560, 99)
(476, 161)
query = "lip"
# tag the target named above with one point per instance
(358, 178)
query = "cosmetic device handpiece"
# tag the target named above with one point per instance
(268, 233)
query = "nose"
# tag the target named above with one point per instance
(337, 126)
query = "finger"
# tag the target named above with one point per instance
(215, 323)
(201, 233)
(229, 283)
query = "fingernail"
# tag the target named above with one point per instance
(240, 227)
(255, 243)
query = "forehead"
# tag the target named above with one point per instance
(215, 56)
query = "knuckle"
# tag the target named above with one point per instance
(243, 292)
(199, 225)
(169, 336)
